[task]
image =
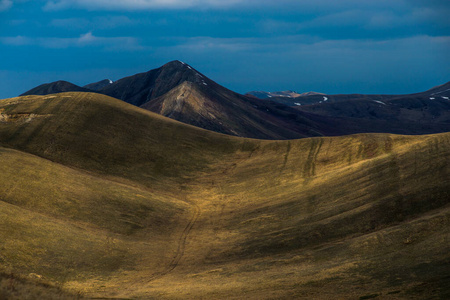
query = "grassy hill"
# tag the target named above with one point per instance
(101, 198)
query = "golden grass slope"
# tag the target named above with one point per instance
(97, 132)
(109, 200)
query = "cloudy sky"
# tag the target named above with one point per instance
(330, 46)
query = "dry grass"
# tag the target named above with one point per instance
(109, 200)
(13, 287)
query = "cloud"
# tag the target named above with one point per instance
(84, 40)
(100, 22)
(311, 45)
(71, 23)
(16, 41)
(183, 4)
(202, 44)
(5, 5)
(313, 5)
(137, 4)
(363, 22)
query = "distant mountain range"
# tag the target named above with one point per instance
(178, 91)
(294, 99)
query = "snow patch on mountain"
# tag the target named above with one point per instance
(380, 102)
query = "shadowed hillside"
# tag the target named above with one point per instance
(423, 111)
(110, 200)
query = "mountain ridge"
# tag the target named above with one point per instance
(96, 86)
(442, 90)
(142, 87)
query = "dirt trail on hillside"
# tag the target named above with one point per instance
(181, 246)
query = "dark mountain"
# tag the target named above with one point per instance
(60, 86)
(141, 88)
(418, 113)
(431, 106)
(96, 86)
(322, 98)
(208, 105)
(222, 110)
(408, 112)
(180, 92)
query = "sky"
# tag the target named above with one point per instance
(329, 46)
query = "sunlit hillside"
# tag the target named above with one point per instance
(106, 200)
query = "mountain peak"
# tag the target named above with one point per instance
(142, 88)
(173, 63)
(179, 65)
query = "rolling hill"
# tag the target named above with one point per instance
(108, 200)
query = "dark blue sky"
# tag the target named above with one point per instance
(330, 46)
